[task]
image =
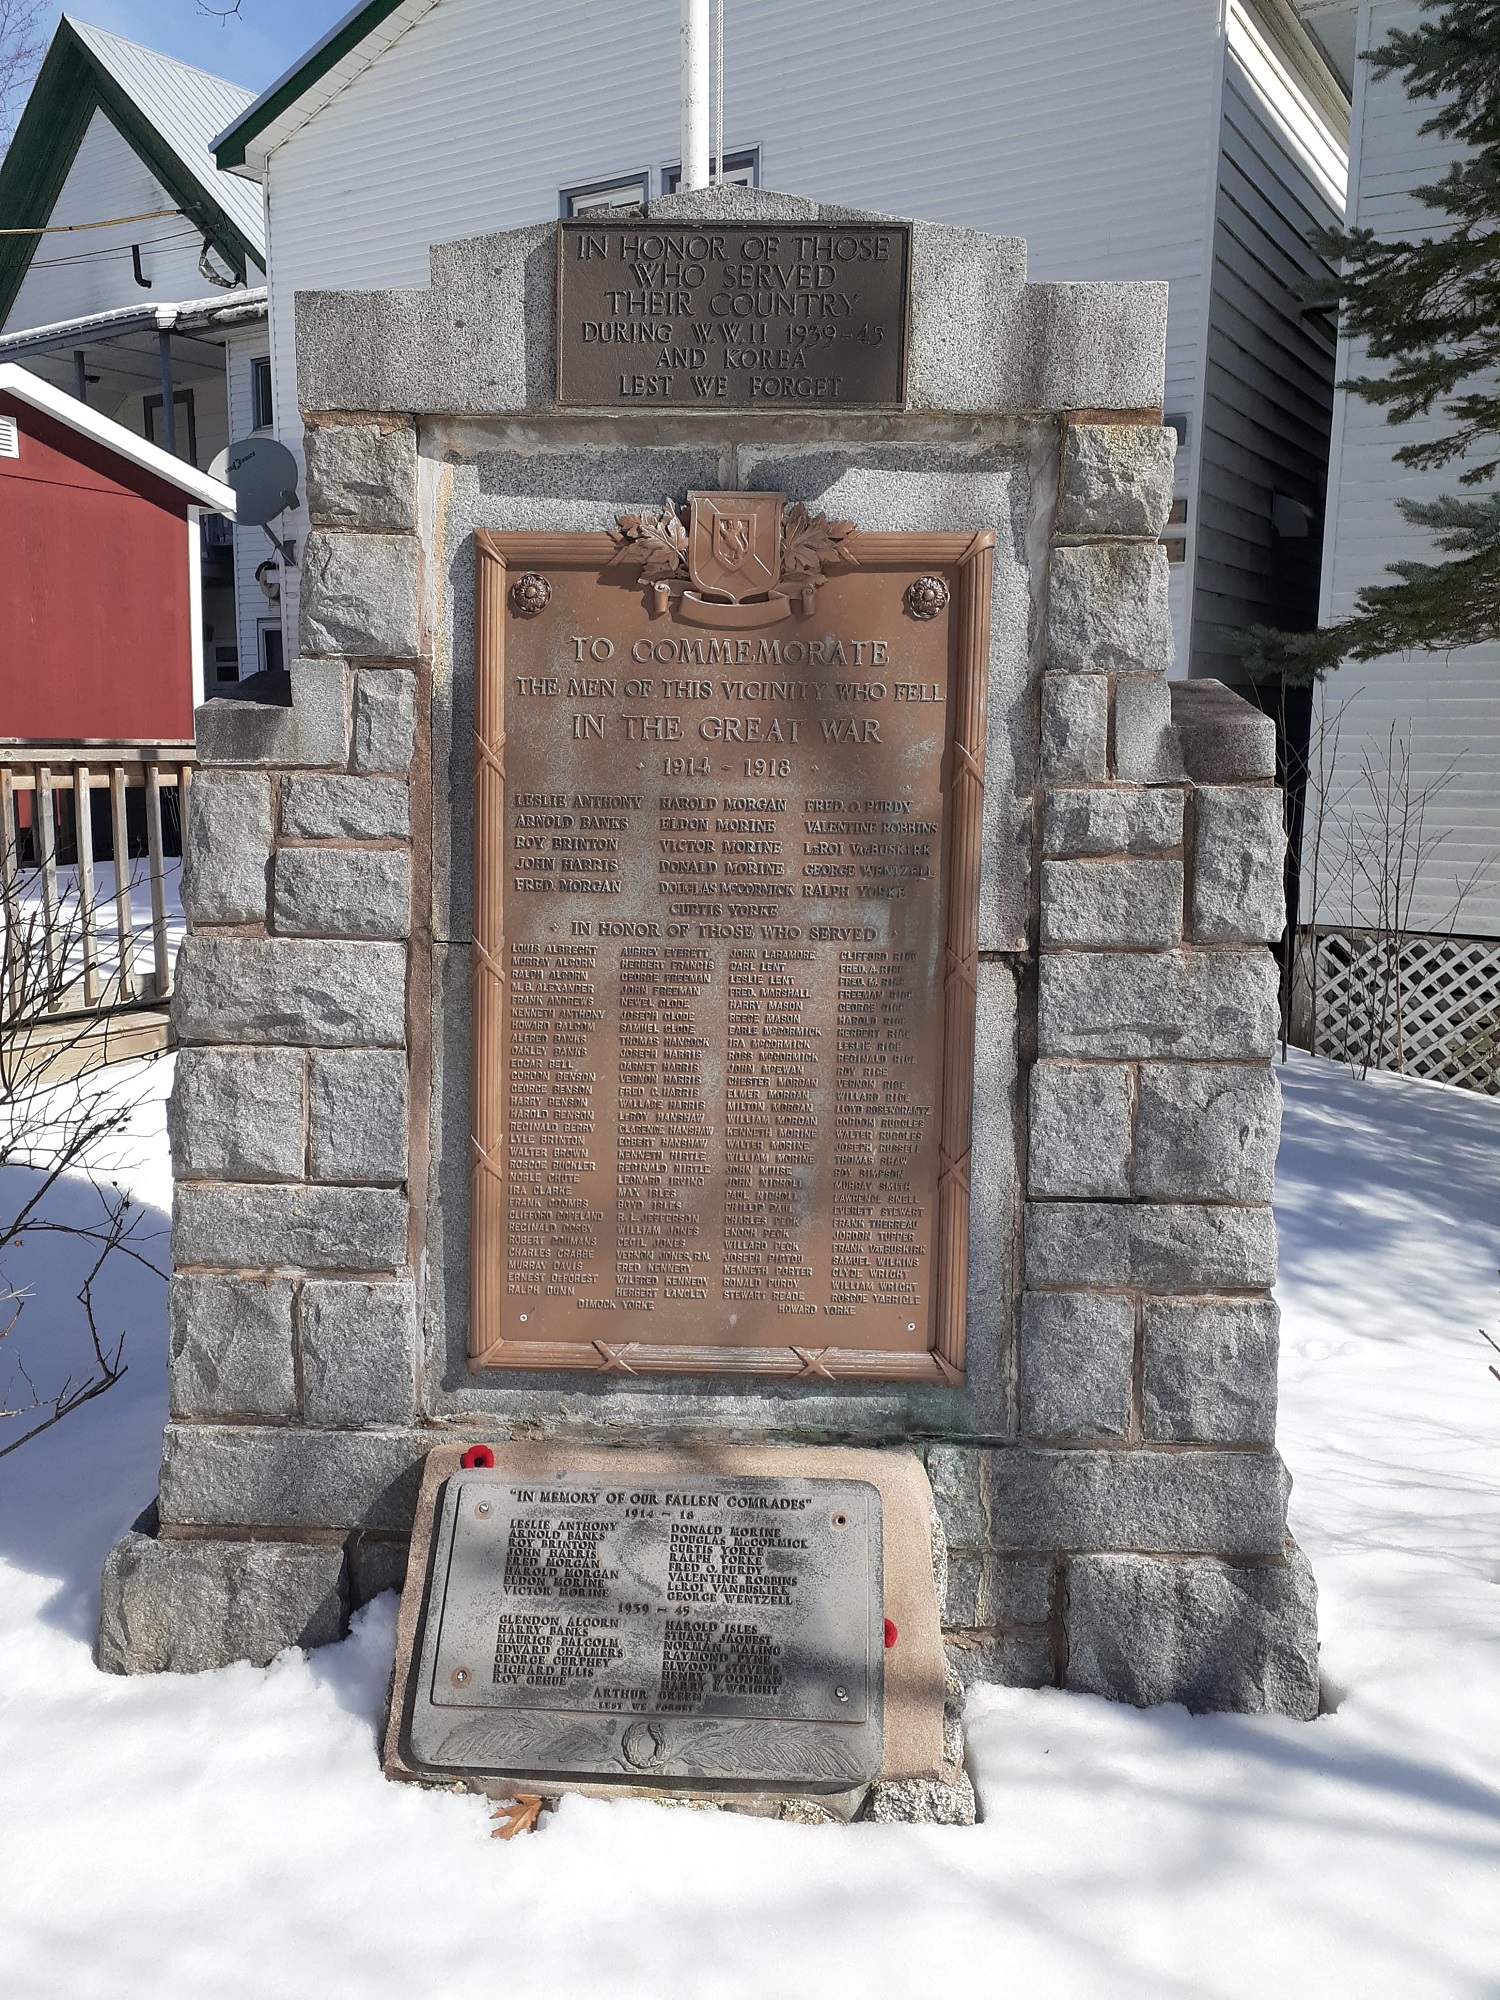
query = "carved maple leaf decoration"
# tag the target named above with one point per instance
(658, 543)
(808, 541)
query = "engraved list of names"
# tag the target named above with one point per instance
(724, 868)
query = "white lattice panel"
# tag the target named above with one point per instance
(1427, 1005)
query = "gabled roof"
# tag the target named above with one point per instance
(28, 388)
(349, 47)
(166, 111)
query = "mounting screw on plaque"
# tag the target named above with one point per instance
(460, 1677)
(531, 594)
(927, 597)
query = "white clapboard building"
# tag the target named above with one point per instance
(1191, 140)
(132, 275)
(1409, 968)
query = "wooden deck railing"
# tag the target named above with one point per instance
(45, 794)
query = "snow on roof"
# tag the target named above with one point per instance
(188, 107)
(232, 307)
(20, 382)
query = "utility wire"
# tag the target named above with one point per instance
(111, 223)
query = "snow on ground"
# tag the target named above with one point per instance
(230, 1834)
(68, 927)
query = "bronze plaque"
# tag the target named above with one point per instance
(731, 315)
(726, 884)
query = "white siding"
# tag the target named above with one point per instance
(1447, 706)
(250, 545)
(1268, 383)
(1086, 126)
(91, 272)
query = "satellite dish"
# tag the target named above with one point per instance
(262, 475)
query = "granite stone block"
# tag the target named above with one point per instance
(230, 1347)
(289, 1228)
(1210, 1371)
(362, 475)
(1146, 748)
(988, 1591)
(1099, 346)
(281, 1475)
(1107, 609)
(1158, 1246)
(188, 1605)
(326, 807)
(1187, 1004)
(1075, 727)
(308, 992)
(313, 730)
(1210, 1635)
(227, 849)
(376, 1563)
(1207, 1132)
(357, 1102)
(1002, 1659)
(357, 1352)
(956, 1473)
(385, 719)
(1116, 479)
(1239, 847)
(1112, 903)
(342, 892)
(359, 595)
(1112, 820)
(237, 1115)
(1076, 1357)
(1225, 739)
(1079, 1130)
(1215, 1502)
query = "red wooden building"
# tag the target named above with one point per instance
(101, 629)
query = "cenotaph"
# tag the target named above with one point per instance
(724, 1077)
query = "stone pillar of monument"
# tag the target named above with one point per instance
(1110, 1505)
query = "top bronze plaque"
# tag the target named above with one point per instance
(731, 315)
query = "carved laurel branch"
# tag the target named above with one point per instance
(657, 544)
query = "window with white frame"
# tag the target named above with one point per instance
(625, 191)
(741, 169)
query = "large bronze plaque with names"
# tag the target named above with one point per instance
(707, 1628)
(727, 840)
(732, 315)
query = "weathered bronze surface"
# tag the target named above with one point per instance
(726, 869)
(731, 315)
(701, 1628)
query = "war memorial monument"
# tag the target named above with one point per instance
(724, 1123)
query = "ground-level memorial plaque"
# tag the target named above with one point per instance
(715, 1628)
(755, 1618)
(727, 830)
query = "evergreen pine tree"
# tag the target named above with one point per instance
(1430, 307)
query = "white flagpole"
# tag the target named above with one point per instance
(695, 94)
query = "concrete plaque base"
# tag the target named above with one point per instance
(740, 1619)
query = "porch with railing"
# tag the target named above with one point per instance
(90, 862)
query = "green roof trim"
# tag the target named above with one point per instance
(70, 87)
(342, 37)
